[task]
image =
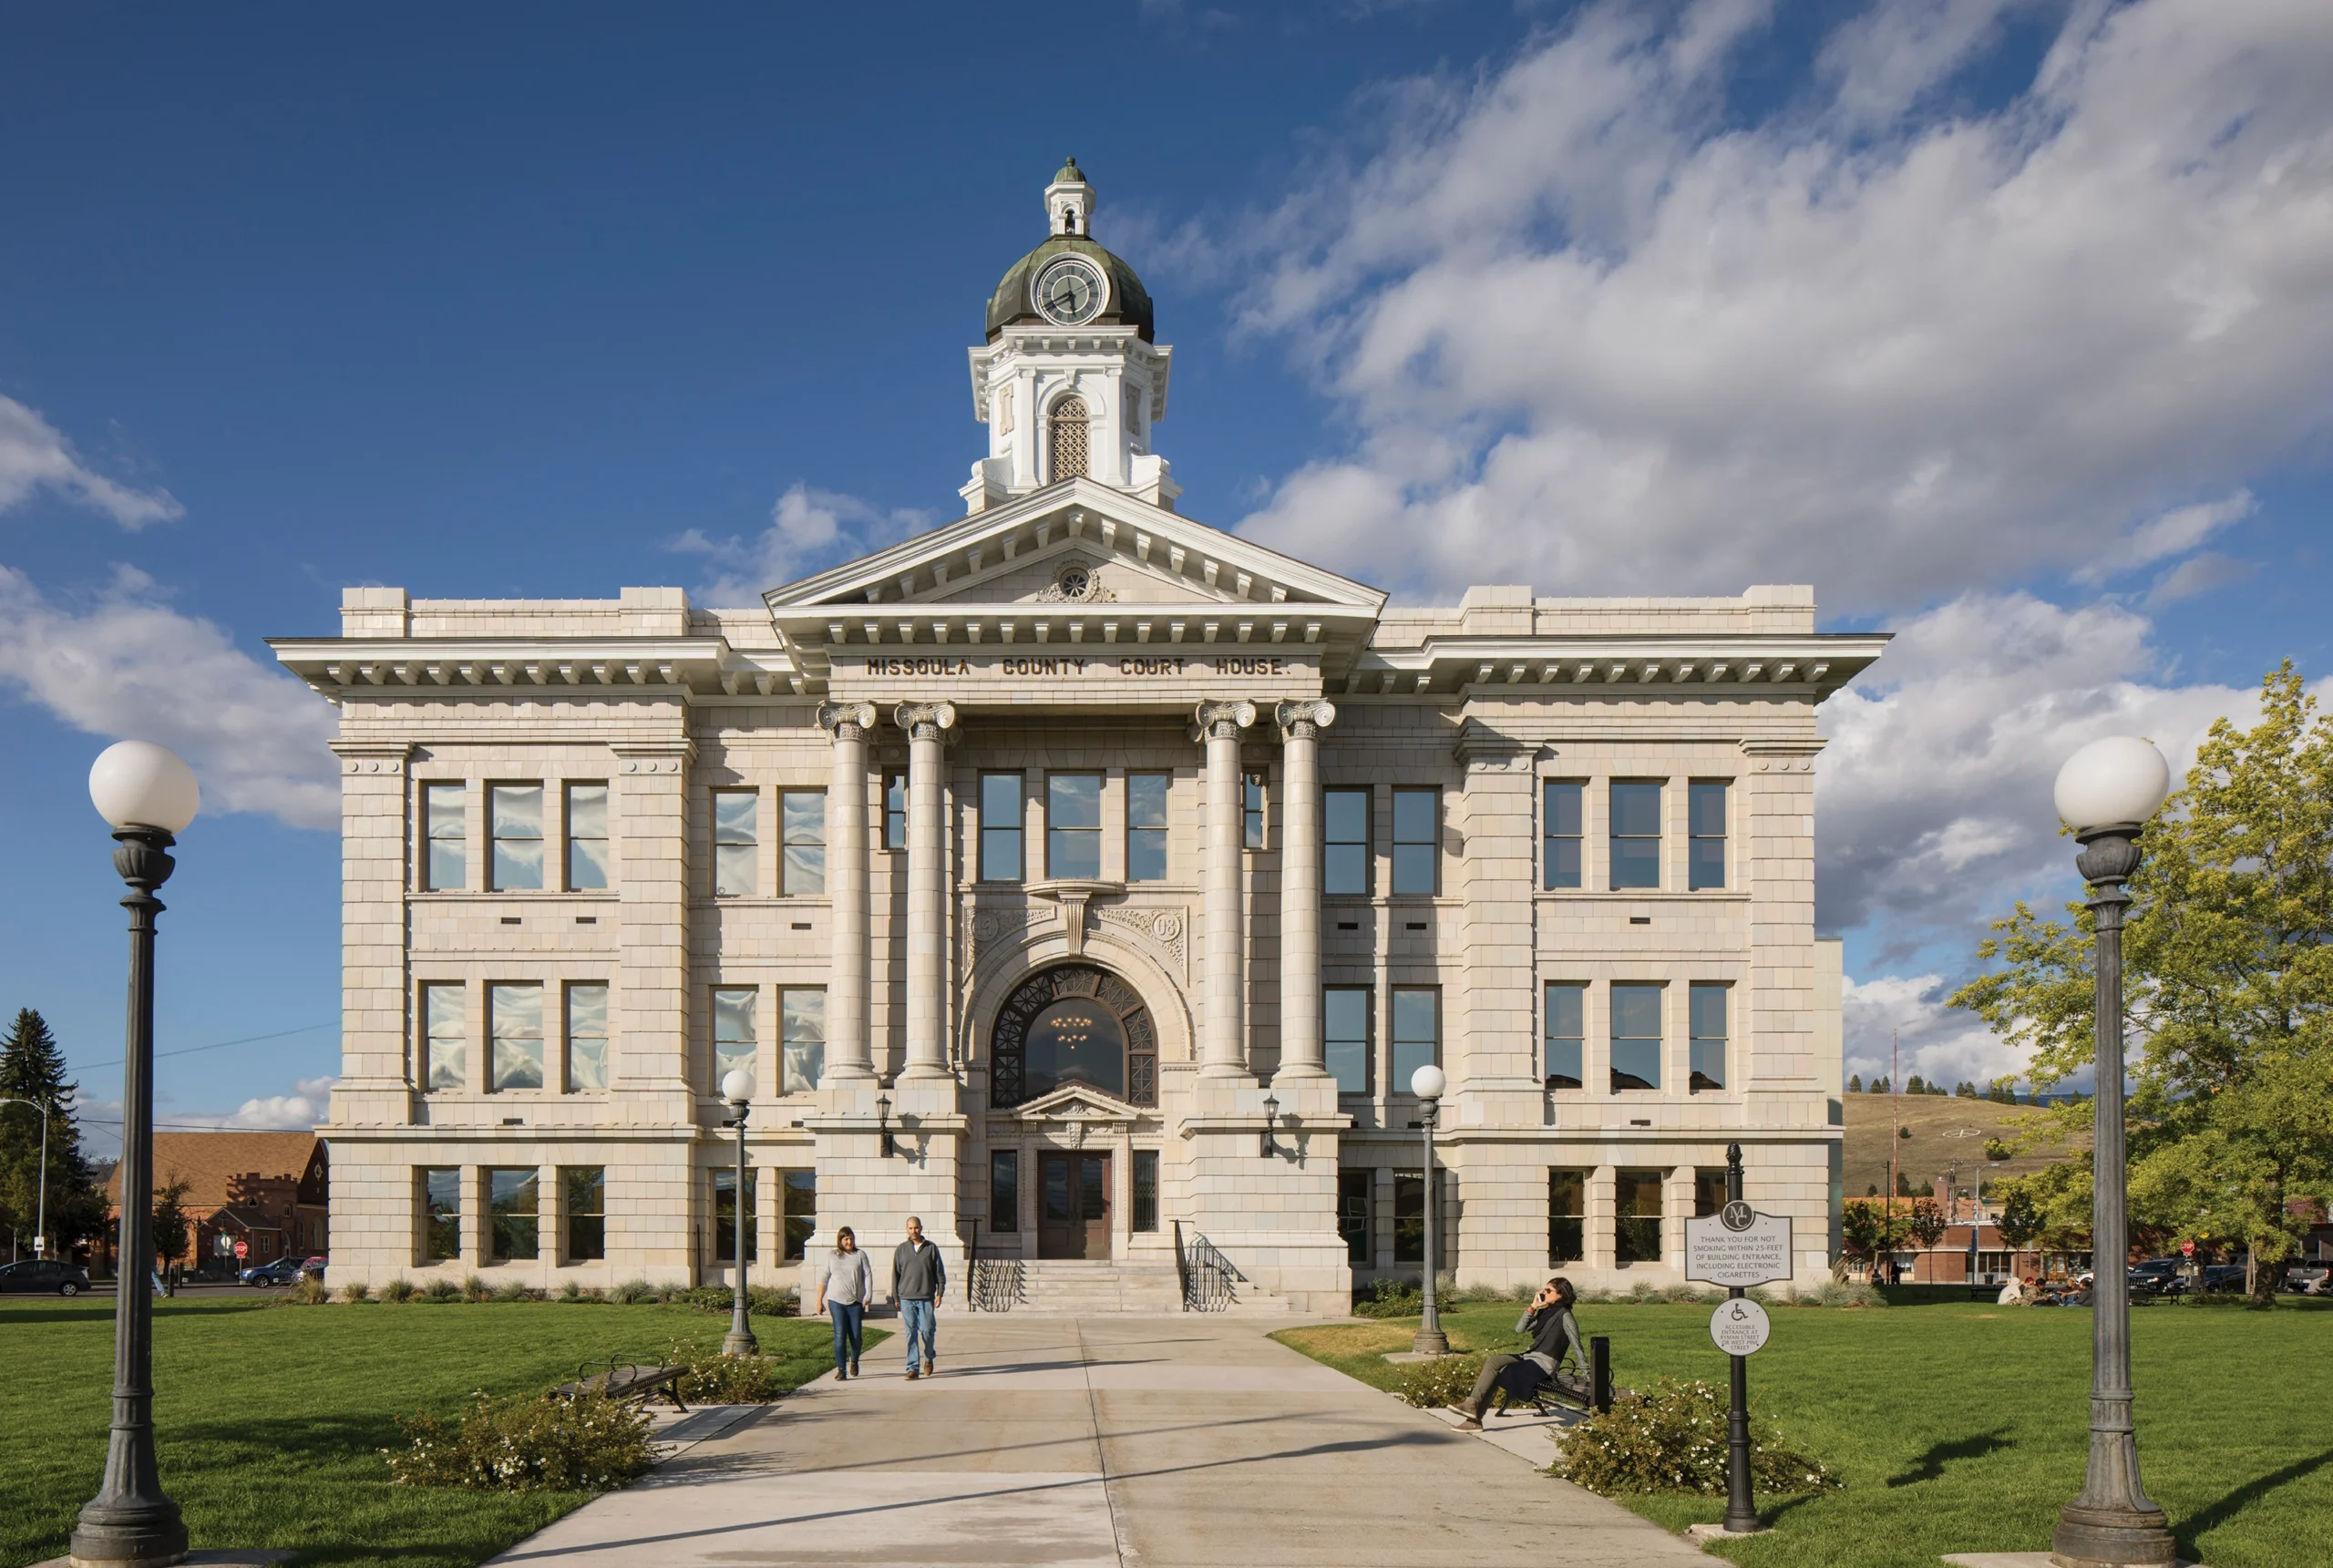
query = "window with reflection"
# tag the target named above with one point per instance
(1708, 1190)
(1344, 841)
(725, 1215)
(514, 1211)
(802, 1024)
(1707, 1006)
(1000, 827)
(515, 1020)
(1705, 850)
(1417, 838)
(1636, 836)
(736, 842)
(1561, 815)
(1567, 1043)
(441, 1197)
(445, 1039)
(443, 809)
(1344, 1037)
(895, 811)
(584, 1191)
(1636, 1037)
(1004, 1190)
(1355, 1195)
(1417, 1032)
(1567, 1216)
(587, 837)
(1147, 827)
(1075, 1024)
(735, 1041)
(1073, 825)
(802, 825)
(515, 814)
(1145, 1189)
(801, 1211)
(587, 1038)
(1637, 1222)
(1252, 787)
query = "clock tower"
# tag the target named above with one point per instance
(1069, 382)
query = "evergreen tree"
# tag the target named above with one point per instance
(32, 1067)
(1904, 1188)
(1964, 1089)
(1855, 1084)
(1916, 1086)
(170, 1219)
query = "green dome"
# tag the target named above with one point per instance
(1015, 297)
(1069, 174)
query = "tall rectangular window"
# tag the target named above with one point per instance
(1344, 841)
(1251, 810)
(801, 1211)
(441, 1213)
(1567, 1216)
(1417, 841)
(1417, 1032)
(1409, 1218)
(444, 822)
(514, 1204)
(587, 837)
(514, 1021)
(1636, 836)
(516, 818)
(736, 842)
(1355, 1189)
(1344, 1037)
(584, 1190)
(1636, 1037)
(587, 1038)
(1073, 825)
(1566, 1034)
(999, 828)
(1705, 826)
(1145, 1189)
(445, 1040)
(725, 1215)
(801, 824)
(1147, 827)
(802, 1031)
(734, 1038)
(1708, 1190)
(895, 811)
(1637, 1225)
(1561, 828)
(1004, 1191)
(1708, 1007)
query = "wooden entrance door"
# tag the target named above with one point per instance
(1074, 1206)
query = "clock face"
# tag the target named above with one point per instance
(1070, 293)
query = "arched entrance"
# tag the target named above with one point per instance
(1072, 1024)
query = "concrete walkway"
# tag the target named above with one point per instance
(1099, 1442)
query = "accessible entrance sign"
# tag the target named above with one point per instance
(1738, 1248)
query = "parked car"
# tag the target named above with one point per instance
(283, 1271)
(312, 1268)
(44, 1277)
(2222, 1276)
(2309, 1279)
(2155, 1276)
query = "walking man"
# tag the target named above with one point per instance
(919, 1279)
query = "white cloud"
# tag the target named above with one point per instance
(1592, 337)
(34, 457)
(807, 529)
(1939, 1045)
(1933, 802)
(125, 664)
(298, 1110)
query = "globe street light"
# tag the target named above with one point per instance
(148, 796)
(2106, 793)
(737, 1088)
(1427, 1083)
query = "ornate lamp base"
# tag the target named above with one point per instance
(2113, 1538)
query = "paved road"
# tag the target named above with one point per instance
(1101, 1442)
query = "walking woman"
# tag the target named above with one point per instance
(842, 1290)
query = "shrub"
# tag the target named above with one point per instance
(1444, 1380)
(475, 1288)
(441, 1290)
(1838, 1293)
(589, 1443)
(356, 1290)
(397, 1290)
(713, 1378)
(1673, 1438)
(570, 1291)
(1391, 1298)
(307, 1293)
(631, 1292)
(1689, 1294)
(513, 1291)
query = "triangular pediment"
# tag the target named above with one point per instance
(1013, 554)
(1079, 1102)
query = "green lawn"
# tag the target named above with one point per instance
(271, 1418)
(1962, 1427)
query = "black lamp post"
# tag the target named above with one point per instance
(148, 796)
(1272, 1120)
(737, 1088)
(883, 1120)
(1427, 1083)
(2106, 793)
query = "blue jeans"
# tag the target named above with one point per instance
(849, 1319)
(916, 1321)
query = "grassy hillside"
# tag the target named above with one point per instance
(1943, 1131)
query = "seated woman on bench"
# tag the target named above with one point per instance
(1554, 1336)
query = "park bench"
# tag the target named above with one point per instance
(633, 1382)
(1575, 1391)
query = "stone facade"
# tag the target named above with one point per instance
(802, 874)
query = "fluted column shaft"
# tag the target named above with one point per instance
(849, 1050)
(927, 1042)
(1299, 888)
(1223, 1040)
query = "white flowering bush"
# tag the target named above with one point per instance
(1671, 1437)
(589, 1443)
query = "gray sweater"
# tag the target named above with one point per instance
(849, 1277)
(917, 1272)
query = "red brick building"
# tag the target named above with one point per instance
(271, 1191)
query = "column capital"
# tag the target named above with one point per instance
(925, 720)
(1303, 719)
(1224, 719)
(857, 718)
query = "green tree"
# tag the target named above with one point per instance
(1965, 1090)
(31, 1068)
(1924, 1223)
(1915, 1086)
(1855, 1084)
(1869, 1228)
(2227, 989)
(170, 1219)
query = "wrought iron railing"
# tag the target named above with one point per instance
(999, 1284)
(1207, 1277)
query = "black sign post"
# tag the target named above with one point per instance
(1740, 1513)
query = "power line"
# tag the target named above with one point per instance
(219, 1045)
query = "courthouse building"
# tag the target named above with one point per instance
(1086, 880)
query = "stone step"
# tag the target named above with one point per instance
(1081, 1286)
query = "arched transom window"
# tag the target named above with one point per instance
(1074, 1024)
(1068, 439)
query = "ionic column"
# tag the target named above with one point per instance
(849, 1052)
(926, 724)
(1223, 1033)
(1300, 725)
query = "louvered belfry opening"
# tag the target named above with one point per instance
(1068, 438)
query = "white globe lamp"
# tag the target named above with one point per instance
(1428, 1083)
(2118, 782)
(737, 1086)
(137, 783)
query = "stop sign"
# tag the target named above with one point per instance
(2186, 1249)
(244, 1248)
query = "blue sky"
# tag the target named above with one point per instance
(1938, 304)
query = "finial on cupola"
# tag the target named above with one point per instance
(1070, 200)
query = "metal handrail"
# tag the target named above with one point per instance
(1208, 1277)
